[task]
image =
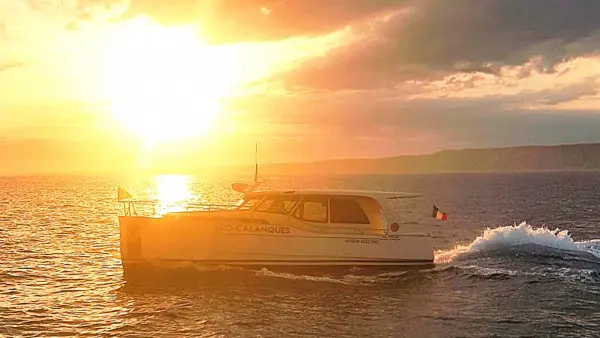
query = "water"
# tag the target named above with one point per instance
(60, 272)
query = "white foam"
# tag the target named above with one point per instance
(488, 272)
(508, 236)
(218, 268)
(347, 279)
(579, 275)
(268, 273)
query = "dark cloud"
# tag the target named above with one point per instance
(427, 125)
(446, 32)
(438, 37)
(567, 94)
(424, 39)
(438, 32)
(243, 20)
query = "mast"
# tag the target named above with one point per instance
(255, 162)
(245, 187)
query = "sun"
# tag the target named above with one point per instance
(164, 83)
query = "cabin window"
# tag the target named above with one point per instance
(278, 205)
(249, 203)
(346, 210)
(313, 210)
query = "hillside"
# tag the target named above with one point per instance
(527, 158)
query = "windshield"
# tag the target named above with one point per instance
(248, 203)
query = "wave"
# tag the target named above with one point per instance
(537, 274)
(516, 235)
(487, 272)
(492, 240)
(268, 273)
(349, 279)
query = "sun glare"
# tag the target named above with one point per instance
(164, 83)
(172, 191)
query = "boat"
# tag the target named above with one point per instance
(276, 228)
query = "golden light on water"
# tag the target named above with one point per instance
(173, 192)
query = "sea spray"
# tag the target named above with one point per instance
(514, 235)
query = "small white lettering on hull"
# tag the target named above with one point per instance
(252, 228)
(362, 241)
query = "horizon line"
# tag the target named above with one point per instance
(242, 166)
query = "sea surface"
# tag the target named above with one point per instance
(519, 256)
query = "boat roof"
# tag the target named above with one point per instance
(375, 194)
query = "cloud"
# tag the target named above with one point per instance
(435, 38)
(25, 21)
(394, 40)
(367, 124)
(3, 31)
(101, 9)
(224, 21)
(447, 32)
(388, 77)
(8, 66)
(35, 19)
(252, 20)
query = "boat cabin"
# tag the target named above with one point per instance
(341, 208)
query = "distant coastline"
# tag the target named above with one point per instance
(572, 157)
(567, 157)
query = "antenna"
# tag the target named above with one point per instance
(256, 162)
(245, 187)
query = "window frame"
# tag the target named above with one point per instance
(243, 205)
(367, 220)
(309, 197)
(274, 198)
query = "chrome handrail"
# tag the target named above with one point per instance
(210, 207)
(128, 205)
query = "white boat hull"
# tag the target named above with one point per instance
(214, 241)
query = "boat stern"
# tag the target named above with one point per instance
(130, 228)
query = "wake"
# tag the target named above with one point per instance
(516, 235)
(349, 279)
(492, 239)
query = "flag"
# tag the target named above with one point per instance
(438, 214)
(122, 194)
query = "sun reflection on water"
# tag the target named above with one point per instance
(173, 193)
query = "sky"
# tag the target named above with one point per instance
(101, 85)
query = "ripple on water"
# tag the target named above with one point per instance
(60, 271)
